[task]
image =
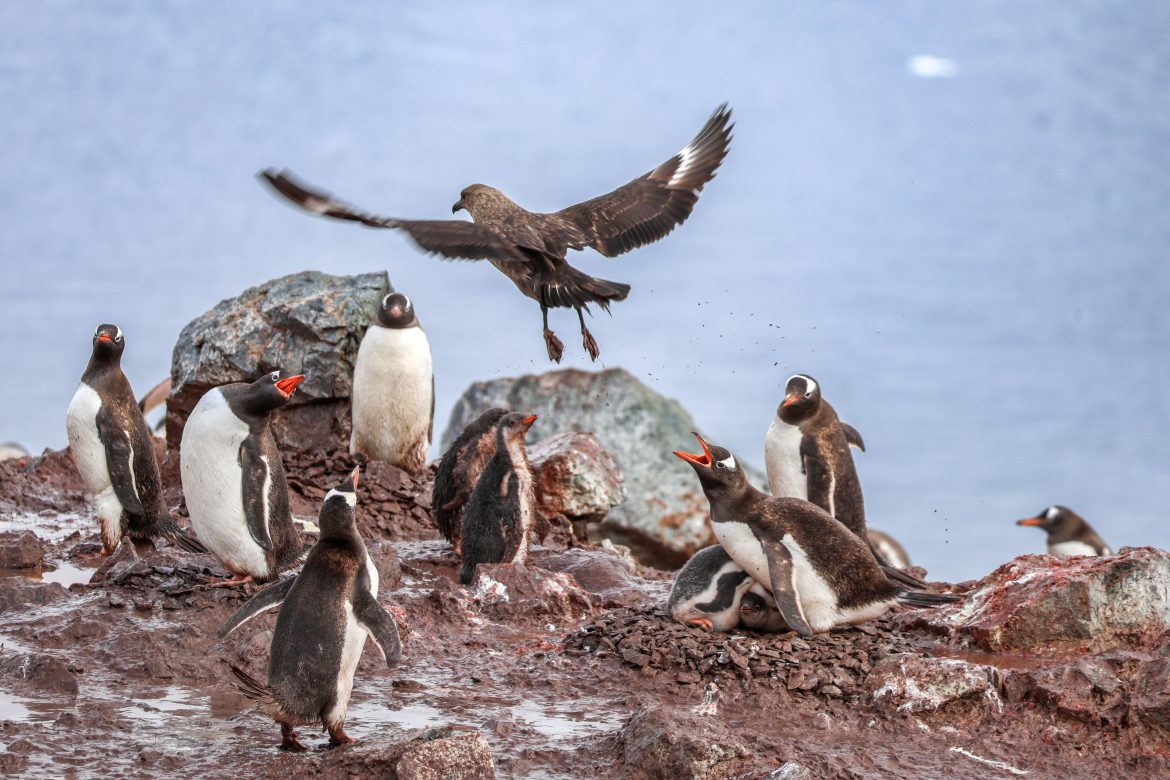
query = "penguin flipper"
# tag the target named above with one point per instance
(269, 598)
(378, 623)
(784, 589)
(852, 436)
(253, 464)
(818, 475)
(119, 461)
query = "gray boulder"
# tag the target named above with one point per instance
(664, 519)
(309, 322)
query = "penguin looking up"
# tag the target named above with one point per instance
(393, 400)
(114, 451)
(459, 470)
(1068, 532)
(233, 478)
(807, 456)
(708, 589)
(819, 572)
(326, 612)
(499, 513)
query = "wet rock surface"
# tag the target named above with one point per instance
(564, 668)
(664, 518)
(308, 322)
(20, 550)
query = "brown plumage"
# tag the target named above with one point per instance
(530, 247)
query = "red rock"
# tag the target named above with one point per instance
(1043, 604)
(575, 476)
(20, 550)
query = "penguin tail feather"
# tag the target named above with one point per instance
(182, 538)
(901, 578)
(916, 598)
(250, 686)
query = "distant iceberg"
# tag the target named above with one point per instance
(924, 66)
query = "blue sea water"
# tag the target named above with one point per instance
(955, 216)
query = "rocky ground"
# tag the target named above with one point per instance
(565, 668)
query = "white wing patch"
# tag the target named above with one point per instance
(686, 160)
(264, 498)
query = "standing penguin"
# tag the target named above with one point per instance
(394, 389)
(326, 612)
(1068, 532)
(459, 470)
(819, 572)
(708, 589)
(234, 480)
(499, 513)
(806, 455)
(114, 451)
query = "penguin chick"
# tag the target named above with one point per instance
(459, 470)
(114, 451)
(1068, 532)
(393, 398)
(820, 573)
(499, 513)
(707, 591)
(233, 478)
(757, 611)
(326, 613)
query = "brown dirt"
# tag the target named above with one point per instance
(567, 666)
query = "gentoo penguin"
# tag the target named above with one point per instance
(114, 453)
(499, 513)
(806, 455)
(757, 611)
(1068, 533)
(820, 573)
(394, 389)
(233, 478)
(10, 450)
(887, 548)
(459, 470)
(326, 611)
(708, 589)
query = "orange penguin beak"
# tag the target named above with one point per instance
(527, 421)
(105, 337)
(355, 476)
(1031, 521)
(699, 459)
(790, 400)
(288, 385)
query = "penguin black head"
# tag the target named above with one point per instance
(271, 391)
(514, 425)
(1054, 519)
(802, 398)
(716, 467)
(339, 509)
(753, 610)
(396, 311)
(108, 343)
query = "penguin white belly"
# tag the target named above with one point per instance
(818, 600)
(89, 455)
(744, 548)
(392, 396)
(352, 645)
(783, 461)
(524, 475)
(1071, 548)
(209, 458)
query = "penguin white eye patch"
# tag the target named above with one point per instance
(727, 463)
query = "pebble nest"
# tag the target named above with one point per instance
(834, 665)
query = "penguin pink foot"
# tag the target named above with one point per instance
(235, 579)
(290, 740)
(338, 737)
